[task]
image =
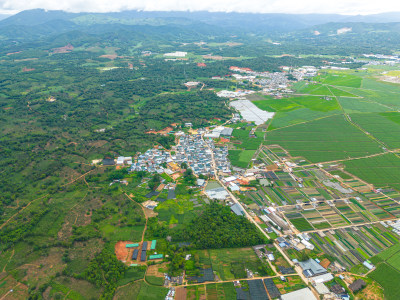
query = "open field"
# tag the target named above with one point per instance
(380, 170)
(231, 263)
(326, 139)
(241, 158)
(389, 278)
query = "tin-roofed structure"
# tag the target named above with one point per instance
(143, 256)
(156, 256)
(135, 254)
(153, 245)
(311, 268)
(144, 246)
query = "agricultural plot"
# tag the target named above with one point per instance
(292, 283)
(381, 171)
(361, 105)
(299, 222)
(389, 278)
(390, 206)
(353, 211)
(315, 219)
(352, 246)
(321, 140)
(331, 215)
(340, 79)
(230, 263)
(241, 158)
(241, 138)
(300, 115)
(384, 126)
(358, 185)
(384, 94)
(315, 89)
(303, 108)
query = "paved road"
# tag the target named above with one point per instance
(251, 219)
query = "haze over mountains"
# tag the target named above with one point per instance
(52, 21)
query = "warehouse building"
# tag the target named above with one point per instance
(312, 268)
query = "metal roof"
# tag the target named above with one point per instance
(237, 209)
(303, 294)
(311, 267)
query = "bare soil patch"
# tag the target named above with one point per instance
(153, 270)
(180, 293)
(121, 251)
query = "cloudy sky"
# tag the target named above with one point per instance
(266, 6)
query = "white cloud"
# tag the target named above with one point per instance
(264, 6)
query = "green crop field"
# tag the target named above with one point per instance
(357, 105)
(326, 139)
(241, 158)
(389, 279)
(394, 261)
(389, 252)
(298, 109)
(338, 92)
(381, 170)
(383, 126)
(340, 79)
(301, 224)
(231, 263)
(315, 89)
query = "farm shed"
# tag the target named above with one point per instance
(143, 256)
(144, 246)
(156, 256)
(131, 245)
(135, 254)
(153, 244)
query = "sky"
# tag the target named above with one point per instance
(348, 7)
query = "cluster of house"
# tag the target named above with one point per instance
(303, 72)
(193, 151)
(152, 161)
(298, 242)
(274, 83)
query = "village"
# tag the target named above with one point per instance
(309, 211)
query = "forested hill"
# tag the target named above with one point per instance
(33, 24)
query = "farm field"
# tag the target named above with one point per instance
(384, 126)
(241, 158)
(212, 291)
(340, 79)
(298, 109)
(352, 246)
(231, 263)
(382, 171)
(327, 139)
(389, 278)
